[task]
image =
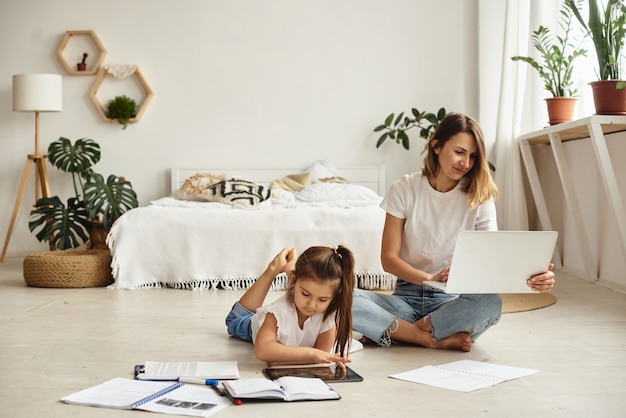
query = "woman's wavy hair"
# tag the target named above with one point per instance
(331, 264)
(477, 183)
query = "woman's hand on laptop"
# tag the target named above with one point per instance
(542, 282)
(442, 276)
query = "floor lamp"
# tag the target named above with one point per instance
(34, 93)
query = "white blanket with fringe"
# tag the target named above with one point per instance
(199, 246)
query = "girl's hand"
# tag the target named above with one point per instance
(442, 276)
(341, 361)
(542, 282)
(284, 261)
(312, 356)
(322, 357)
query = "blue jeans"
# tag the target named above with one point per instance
(374, 313)
(239, 322)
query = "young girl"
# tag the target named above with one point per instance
(312, 322)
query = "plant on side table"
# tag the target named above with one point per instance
(123, 109)
(557, 64)
(84, 220)
(607, 29)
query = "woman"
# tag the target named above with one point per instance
(425, 211)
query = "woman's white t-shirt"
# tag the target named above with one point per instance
(433, 220)
(289, 333)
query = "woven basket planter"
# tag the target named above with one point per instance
(68, 268)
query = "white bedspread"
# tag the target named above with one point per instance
(193, 245)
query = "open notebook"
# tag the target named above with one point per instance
(497, 261)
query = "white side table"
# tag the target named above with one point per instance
(593, 127)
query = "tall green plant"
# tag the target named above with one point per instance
(95, 200)
(557, 56)
(607, 28)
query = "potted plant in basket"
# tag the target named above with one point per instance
(123, 109)
(85, 219)
(555, 68)
(607, 28)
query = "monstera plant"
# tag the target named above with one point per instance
(96, 203)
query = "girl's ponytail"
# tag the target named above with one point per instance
(343, 299)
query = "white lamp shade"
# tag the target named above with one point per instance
(37, 93)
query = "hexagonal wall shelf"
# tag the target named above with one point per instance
(102, 76)
(88, 40)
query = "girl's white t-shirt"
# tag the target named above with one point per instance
(289, 333)
(433, 220)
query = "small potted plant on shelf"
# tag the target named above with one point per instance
(123, 109)
(606, 26)
(82, 66)
(556, 66)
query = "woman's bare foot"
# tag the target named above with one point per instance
(459, 341)
(420, 333)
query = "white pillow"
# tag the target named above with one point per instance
(322, 192)
(321, 169)
(281, 195)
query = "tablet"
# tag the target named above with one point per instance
(328, 373)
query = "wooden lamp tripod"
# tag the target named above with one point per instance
(34, 93)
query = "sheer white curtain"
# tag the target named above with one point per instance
(511, 94)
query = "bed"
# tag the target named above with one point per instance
(188, 241)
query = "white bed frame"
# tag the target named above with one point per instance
(203, 259)
(371, 176)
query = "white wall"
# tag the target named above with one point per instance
(250, 83)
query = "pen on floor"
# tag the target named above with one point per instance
(208, 382)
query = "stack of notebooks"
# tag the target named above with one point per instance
(161, 387)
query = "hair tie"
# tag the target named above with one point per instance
(336, 252)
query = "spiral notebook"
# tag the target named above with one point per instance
(155, 396)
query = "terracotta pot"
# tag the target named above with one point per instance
(560, 109)
(81, 66)
(609, 99)
(97, 237)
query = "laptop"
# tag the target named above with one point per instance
(497, 261)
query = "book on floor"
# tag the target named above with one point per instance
(161, 370)
(285, 388)
(464, 375)
(326, 372)
(155, 396)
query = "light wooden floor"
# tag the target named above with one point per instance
(57, 341)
